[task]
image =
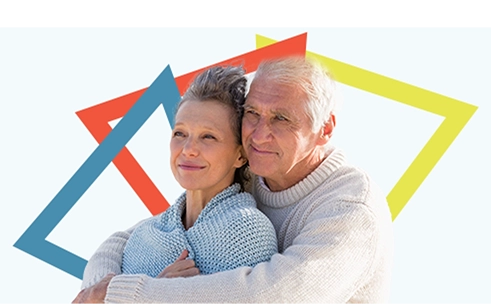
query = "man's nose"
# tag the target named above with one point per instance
(262, 131)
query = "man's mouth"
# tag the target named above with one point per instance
(261, 151)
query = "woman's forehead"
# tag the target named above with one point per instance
(210, 114)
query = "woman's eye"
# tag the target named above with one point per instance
(178, 134)
(208, 136)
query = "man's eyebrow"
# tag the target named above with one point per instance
(281, 111)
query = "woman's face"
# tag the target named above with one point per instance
(204, 150)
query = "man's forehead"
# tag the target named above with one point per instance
(270, 89)
(270, 92)
(273, 86)
(289, 109)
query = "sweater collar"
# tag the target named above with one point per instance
(294, 194)
(215, 201)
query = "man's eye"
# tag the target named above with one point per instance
(249, 111)
(280, 118)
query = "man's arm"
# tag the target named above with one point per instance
(328, 261)
(107, 258)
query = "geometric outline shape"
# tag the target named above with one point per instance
(455, 112)
(33, 241)
(96, 118)
(134, 108)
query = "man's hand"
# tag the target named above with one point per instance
(180, 268)
(95, 293)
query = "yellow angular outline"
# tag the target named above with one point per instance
(455, 112)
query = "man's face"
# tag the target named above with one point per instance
(277, 134)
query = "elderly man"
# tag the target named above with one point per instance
(333, 223)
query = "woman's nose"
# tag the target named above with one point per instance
(190, 148)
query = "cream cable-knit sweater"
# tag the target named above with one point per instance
(335, 239)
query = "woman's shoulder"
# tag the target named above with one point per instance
(243, 200)
(242, 211)
(242, 204)
(167, 219)
(230, 200)
(250, 229)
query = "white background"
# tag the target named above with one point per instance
(46, 75)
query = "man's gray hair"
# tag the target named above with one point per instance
(310, 77)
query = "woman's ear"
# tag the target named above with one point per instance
(241, 159)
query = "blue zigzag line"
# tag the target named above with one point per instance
(33, 241)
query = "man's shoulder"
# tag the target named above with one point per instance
(339, 177)
(350, 189)
(350, 184)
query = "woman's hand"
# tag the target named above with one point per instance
(180, 268)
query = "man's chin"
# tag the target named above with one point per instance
(260, 169)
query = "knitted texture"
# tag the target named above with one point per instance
(229, 232)
(335, 239)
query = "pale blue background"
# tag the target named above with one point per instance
(46, 75)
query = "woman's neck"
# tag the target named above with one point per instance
(196, 201)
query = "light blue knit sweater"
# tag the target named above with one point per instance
(229, 232)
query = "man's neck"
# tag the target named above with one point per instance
(297, 173)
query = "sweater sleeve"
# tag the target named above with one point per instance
(330, 257)
(107, 258)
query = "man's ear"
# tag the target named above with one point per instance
(327, 130)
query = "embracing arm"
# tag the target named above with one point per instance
(107, 258)
(329, 259)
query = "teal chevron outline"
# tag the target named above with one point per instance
(33, 241)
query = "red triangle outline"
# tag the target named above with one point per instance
(96, 118)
